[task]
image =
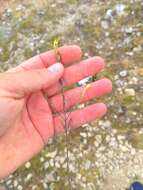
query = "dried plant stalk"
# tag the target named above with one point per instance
(65, 116)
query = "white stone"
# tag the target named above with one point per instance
(108, 138)
(27, 165)
(78, 176)
(57, 165)
(98, 138)
(20, 187)
(62, 159)
(120, 9)
(84, 141)
(137, 49)
(130, 91)
(9, 182)
(49, 177)
(96, 144)
(42, 159)
(72, 168)
(107, 124)
(86, 54)
(45, 186)
(46, 165)
(108, 13)
(15, 183)
(51, 154)
(51, 162)
(104, 24)
(20, 7)
(134, 113)
(53, 5)
(28, 177)
(101, 148)
(34, 187)
(134, 80)
(123, 148)
(129, 30)
(89, 134)
(120, 137)
(84, 135)
(9, 10)
(133, 151)
(123, 73)
(116, 77)
(115, 131)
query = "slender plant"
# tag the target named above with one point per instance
(64, 115)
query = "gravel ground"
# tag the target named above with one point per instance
(107, 154)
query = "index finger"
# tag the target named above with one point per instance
(68, 54)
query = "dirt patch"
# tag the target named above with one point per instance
(5, 4)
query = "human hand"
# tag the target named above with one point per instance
(31, 100)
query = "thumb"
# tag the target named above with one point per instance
(30, 81)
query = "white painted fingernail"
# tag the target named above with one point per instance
(55, 67)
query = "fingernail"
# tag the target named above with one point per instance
(55, 67)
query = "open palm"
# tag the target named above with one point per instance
(31, 100)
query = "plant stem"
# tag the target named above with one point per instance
(66, 121)
(67, 130)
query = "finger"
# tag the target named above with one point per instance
(21, 83)
(80, 117)
(69, 54)
(79, 95)
(75, 73)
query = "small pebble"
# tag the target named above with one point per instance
(42, 159)
(123, 73)
(15, 183)
(129, 30)
(130, 91)
(19, 187)
(28, 177)
(46, 165)
(27, 165)
(120, 9)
